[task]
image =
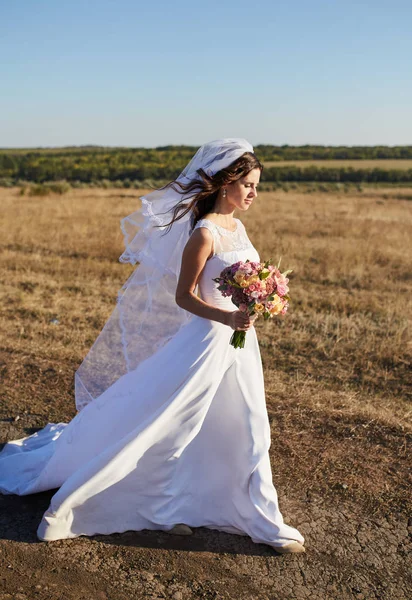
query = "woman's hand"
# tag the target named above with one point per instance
(240, 320)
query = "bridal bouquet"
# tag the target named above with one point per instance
(256, 288)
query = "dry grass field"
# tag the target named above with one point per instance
(338, 382)
(355, 164)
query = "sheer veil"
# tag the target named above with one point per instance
(146, 315)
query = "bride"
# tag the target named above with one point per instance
(172, 430)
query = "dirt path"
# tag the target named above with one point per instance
(349, 555)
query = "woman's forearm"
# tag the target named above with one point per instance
(192, 303)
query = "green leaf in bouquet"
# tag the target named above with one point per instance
(286, 273)
(264, 275)
(236, 285)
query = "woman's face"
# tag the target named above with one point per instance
(241, 193)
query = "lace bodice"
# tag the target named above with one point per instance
(225, 240)
(228, 247)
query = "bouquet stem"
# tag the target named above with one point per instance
(238, 339)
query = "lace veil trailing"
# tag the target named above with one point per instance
(146, 315)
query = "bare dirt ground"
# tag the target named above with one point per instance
(337, 373)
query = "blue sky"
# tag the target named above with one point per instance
(131, 73)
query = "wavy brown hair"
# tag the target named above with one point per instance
(207, 188)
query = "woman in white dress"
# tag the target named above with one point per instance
(172, 430)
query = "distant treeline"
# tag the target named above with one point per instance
(94, 164)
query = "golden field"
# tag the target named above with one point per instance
(379, 163)
(337, 372)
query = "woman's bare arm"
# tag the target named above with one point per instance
(194, 257)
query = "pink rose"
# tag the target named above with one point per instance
(245, 268)
(282, 290)
(281, 284)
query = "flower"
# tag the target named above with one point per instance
(246, 268)
(281, 284)
(253, 279)
(276, 306)
(259, 308)
(254, 287)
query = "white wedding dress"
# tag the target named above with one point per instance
(183, 438)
